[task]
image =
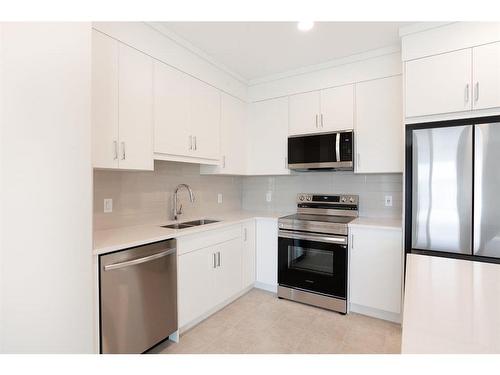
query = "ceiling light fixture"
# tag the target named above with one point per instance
(305, 25)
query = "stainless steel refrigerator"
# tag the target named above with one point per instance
(453, 188)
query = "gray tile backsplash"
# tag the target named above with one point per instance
(146, 197)
(371, 189)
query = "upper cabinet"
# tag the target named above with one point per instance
(459, 81)
(122, 101)
(233, 143)
(186, 117)
(379, 126)
(486, 76)
(322, 111)
(267, 137)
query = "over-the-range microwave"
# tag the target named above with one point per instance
(333, 150)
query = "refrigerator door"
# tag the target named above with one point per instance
(486, 191)
(442, 189)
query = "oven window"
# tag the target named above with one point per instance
(311, 260)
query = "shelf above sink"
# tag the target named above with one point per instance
(189, 224)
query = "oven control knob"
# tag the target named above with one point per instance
(343, 199)
(351, 199)
(301, 197)
(309, 198)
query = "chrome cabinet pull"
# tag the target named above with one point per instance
(218, 258)
(134, 262)
(123, 151)
(476, 92)
(316, 121)
(321, 122)
(115, 144)
(190, 142)
(215, 260)
(467, 93)
(245, 234)
(195, 146)
(224, 161)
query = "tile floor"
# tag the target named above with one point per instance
(259, 322)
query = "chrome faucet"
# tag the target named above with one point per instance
(178, 211)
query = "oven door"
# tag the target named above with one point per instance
(314, 262)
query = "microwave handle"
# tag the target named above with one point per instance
(337, 147)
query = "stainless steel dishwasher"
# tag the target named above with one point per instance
(138, 297)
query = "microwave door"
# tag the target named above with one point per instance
(486, 197)
(442, 189)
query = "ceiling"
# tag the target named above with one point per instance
(259, 49)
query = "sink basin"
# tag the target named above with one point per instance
(200, 222)
(189, 224)
(176, 226)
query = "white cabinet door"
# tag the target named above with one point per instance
(376, 268)
(267, 253)
(196, 284)
(486, 76)
(135, 109)
(337, 108)
(248, 254)
(204, 119)
(171, 111)
(379, 126)
(228, 271)
(304, 113)
(104, 101)
(439, 84)
(267, 137)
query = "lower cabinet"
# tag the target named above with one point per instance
(266, 249)
(212, 267)
(375, 272)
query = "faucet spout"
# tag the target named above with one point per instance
(178, 211)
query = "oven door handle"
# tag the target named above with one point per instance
(313, 237)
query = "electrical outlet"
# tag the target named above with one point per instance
(388, 200)
(269, 196)
(219, 198)
(108, 205)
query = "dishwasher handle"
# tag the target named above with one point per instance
(133, 262)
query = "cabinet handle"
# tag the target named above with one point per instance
(245, 234)
(195, 146)
(352, 241)
(224, 161)
(321, 122)
(115, 143)
(467, 93)
(218, 258)
(316, 121)
(123, 151)
(215, 260)
(190, 142)
(476, 92)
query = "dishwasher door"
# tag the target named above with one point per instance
(138, 297)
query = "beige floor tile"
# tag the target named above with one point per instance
(261, 323)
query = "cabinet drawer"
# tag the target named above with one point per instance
(193, 242)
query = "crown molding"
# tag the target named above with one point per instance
(420, 26)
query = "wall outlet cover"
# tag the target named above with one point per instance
(388, 200)
(219, 198)
(108, 205)
(269, 196)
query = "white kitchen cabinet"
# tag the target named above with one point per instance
(171, 111)
(233, 143)
(304, 113)
(486, 76)
(186, 117)
(337, 108)
(267, 138)
(104, 101)
(248, 254)
(228, 281)
(266, 247)
(322, 111)
(135, 109)
(375, 269)
(122, 94)
(379, 126)
(439, 84)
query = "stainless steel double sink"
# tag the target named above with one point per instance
(189, 224)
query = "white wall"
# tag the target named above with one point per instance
(46, 248)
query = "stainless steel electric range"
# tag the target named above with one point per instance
(312, 250)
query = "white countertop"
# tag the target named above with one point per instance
(377, 222)
(109, 240)
(451, 306)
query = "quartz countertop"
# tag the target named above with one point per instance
(108, 240)
(376, 222)
(451, 306)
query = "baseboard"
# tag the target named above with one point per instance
(269, 287)
(213, 310)
(375, 313)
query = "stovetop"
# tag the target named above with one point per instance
(320, 218)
